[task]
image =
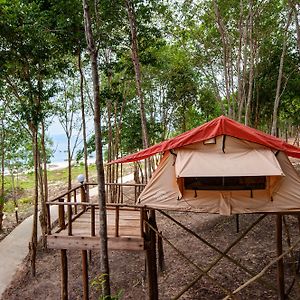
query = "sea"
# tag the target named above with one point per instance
(60, 147)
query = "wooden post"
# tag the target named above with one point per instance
(161, 256)
(280, 268)
(82, 195)
(151, 259)
(69, 214)
(64, 274)
(48, 219)
(93, 223)
(61, 214)
(117, 217)
(237, 222)
(85, 275)
(75, 200)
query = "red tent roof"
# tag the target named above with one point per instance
(219, 126)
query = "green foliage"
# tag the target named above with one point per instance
(98, 282)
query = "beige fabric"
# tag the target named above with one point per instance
(162, 190)
(241, 158)
(282, 192)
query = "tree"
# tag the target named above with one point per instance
(93, 53)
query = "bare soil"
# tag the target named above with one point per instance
(127, 269)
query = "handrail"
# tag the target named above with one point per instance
(108, 205)
(95, 183)
(117, 183)
(69, 208)
(66, 193)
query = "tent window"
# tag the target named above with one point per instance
(225, 183)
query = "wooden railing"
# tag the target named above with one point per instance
(73, 203)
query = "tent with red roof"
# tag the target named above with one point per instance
(222, 167)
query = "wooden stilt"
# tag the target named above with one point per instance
(280, 268)
(64, 274)
(237, 221)
(85, 275)
(151, 260)
(160, 251)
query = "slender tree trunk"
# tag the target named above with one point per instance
(238, 63)
(138, 80)
(137, 69)
(33, 243)
(293, 5)
(104, 265)
(85, 152)
(42, 215)
(2, 174)
(43, 186)
(13, 190)
(226, 56)
(251, 67)
(69, 162)
(280, 72)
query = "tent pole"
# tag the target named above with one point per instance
(280, 268)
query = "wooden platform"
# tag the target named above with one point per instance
(124, 227)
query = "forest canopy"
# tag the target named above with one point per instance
(197, 60)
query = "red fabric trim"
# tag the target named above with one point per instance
(219, 126)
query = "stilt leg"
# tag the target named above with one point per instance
(280, 268)
(64, 274)
(85, 275)
(161, 257)
(151, 262)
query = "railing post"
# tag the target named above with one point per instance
(69, 210)
(93, 224)
(82, 194)
(122, 193)
(142, 218)
(61, 214)
(48, 219)
(117, 218)
(75, 200)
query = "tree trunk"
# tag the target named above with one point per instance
(104, 265)
(86, 168)
(44, 187)
(280, 72)
(2, 174)
(226, 56)
(251, 71)
(138, 79)
(33, 243)
(295, 11)
(69, 163)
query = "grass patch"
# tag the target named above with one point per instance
(23, 203)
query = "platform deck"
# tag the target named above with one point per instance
(123, 232)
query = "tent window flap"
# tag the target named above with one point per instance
(225, 183)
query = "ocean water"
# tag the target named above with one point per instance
(60, 146)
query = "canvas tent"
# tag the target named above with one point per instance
(222, 167)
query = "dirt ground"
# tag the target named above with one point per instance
(127, 269)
